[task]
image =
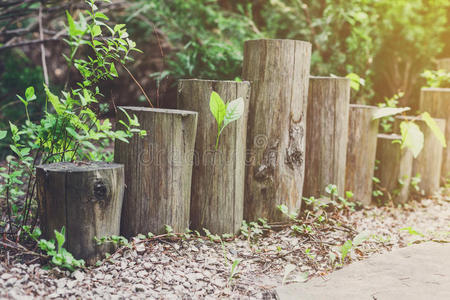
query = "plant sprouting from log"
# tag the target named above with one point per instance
(225, 113)
(70, 128)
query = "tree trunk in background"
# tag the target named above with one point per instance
(158, 169)
(85, 198)
(217, 192)
(361, 152)
(278, 71)
(428, 163)
(436, 101)
(326, 134)
(394, 168)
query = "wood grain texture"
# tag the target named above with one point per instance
(217, 192)
(87, 199)
(443, 64)
(436, 101)
(326, 134)
(361, 152)
(278, 71)
(394, 169)
(158, 170)
(428, 163)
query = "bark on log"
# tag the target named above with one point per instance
(85, 198)
(443, 64)
(158, 169)
(436, 101)
(217, 192)
(278, 71)
(326, 134)
(428, 163)
(394, 168)
(361, 152)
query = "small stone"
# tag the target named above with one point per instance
(78, 275)
(139, 288)
(6, 276)
(147, 266)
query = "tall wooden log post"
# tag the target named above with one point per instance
(278, 71)
(361, 152)
(158, 170)
(428, 163)
(394, 169)
(443, 64)
(326, 134)
(85, 198)
(217, 192)
(436, 101)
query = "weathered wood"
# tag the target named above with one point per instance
(443, 64)
(217, 192)
(278, 71)
(85, 198)
(436, 101)
(361, 152)
(394, 169)
(326, 134)
(428, 163)
(158, 170)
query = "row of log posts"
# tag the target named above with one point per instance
(436, 101)
(428, 163)
(326, 134)
(260, 162)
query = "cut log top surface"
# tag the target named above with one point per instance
(78, 166)
(389, 136)
(364, 106)
(436, 89)
(328, 78)
(216, 81)
(160, 110)
(278, 41)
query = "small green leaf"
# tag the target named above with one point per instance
(3, 134)
(434, 128)
(234, 110)
(101, 15)
(96, 31)
(73, 28)
(29, 94)
(412, 137)
(218, 108)
(113, 70)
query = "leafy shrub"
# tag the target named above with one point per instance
(437, 79)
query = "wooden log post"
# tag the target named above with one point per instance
(158, 170)
(217, 192)
(278, 71)
(443, 64)
(361, 152)
(85, 198)
(436, 101)
(428, 163)
(394, 169)
(326, 134)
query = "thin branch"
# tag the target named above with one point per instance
(41, 36)
(140, 87)
(27, 43)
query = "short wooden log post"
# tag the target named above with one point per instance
(217, 192)
(278, 71)
(443, 64)
(361, 152)
(436, 101)
(85, 198)
(428, 163)
(326, 134)
(158, 170)
(394, 169)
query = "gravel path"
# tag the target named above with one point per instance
(197, 268)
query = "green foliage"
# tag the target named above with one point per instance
(412, 137)
(431, 123)
(254, 229)
(116, 240)
(234, 270)
(225, 113)
(386, 123)
(207, 39)
(60, 257)
(437, 79)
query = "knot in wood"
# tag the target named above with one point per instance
(100, 190)
(294, 152)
